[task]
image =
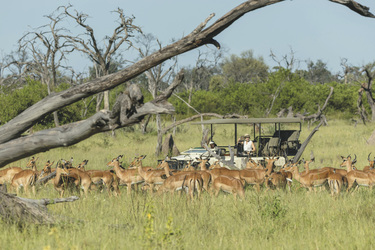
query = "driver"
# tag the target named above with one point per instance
(214, 147)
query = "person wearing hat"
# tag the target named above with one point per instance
(214, 147)
(247, 145)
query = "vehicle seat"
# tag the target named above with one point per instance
(293, 141)
(274, 146)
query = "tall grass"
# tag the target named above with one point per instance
(265, 220)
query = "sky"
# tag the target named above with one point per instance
(313, 29)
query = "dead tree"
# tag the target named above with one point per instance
(156, 76)
(366, 87)
(102, 57)
(361, 108)
(15, 69)
(48, 49)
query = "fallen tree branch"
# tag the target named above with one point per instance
(70, 134)
(22, 210)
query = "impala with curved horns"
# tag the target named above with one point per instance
(127, 176)
(361, 178)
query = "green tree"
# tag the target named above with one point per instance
(317, 73)
(244, 68)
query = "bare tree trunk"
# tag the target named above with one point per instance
(360, 107)
(99, 99)
(106, 99)
(159, 142)
(174, 121)
(145, 124)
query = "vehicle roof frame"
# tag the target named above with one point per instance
(254, 121)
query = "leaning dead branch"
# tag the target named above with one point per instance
(306, 142)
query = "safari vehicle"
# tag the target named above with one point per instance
(272, 137)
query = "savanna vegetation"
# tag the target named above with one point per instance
(241, 84)
(269, 219)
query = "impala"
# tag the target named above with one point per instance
(151, 177)
(6, 175)
(82, 179)
(61, 179)
(251, 164)
(230, 185)
(205, 174)
(371, 164)
(357, 176)
(108, 177)
(26, 178)
(46, 169)
(335, 182)
(194, 182)
(278, 180)
(189, 167)
(173, 183)
(288, 176)
(257, 176)
(127, 176)
(308, 180)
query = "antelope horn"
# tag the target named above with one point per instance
(355, 159)
(368, 157)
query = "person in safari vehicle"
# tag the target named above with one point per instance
(246, 146)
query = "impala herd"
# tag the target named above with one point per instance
(193, 179)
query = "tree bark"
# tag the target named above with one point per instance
(75, 132)
(21, 210)
(305, 143)
(356, 7)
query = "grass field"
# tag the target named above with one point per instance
(265, 220)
